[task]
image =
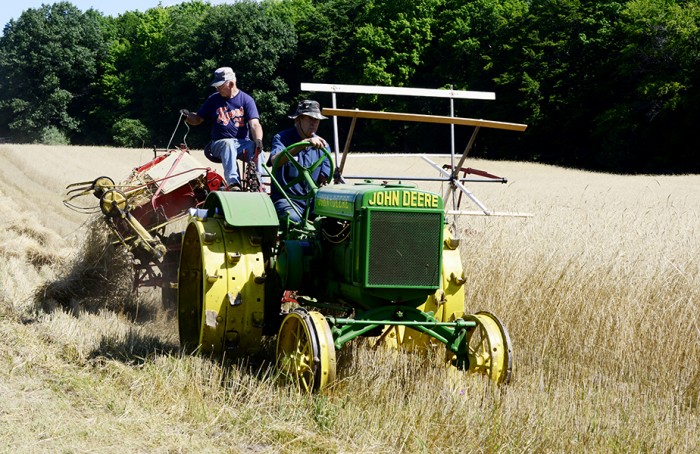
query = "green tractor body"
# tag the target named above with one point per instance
(372, 245)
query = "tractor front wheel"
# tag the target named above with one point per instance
(305, 350)
(489, 349)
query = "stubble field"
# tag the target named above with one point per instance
(599, 290)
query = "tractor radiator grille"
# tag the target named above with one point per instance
(404, 249)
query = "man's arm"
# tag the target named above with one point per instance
(314, 142)
(325, 169)
(277, 147)
(256, 132)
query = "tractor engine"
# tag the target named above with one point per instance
(372, 245)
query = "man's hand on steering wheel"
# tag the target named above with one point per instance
(316, 142)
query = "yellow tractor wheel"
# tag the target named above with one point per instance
(489, 349)
(305, 350)
(221, 291)
(102, 185)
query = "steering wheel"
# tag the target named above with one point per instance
(304, 172)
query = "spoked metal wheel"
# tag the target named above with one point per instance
(490, 352)
(305, 350)
(113, 202)
(102, 185)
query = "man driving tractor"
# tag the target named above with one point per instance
(313, 149)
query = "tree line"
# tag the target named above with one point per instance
(601, 85)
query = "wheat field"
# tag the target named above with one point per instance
(599, 290)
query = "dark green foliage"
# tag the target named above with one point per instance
(660, 62)
(48, 65)
(610, 85)
(51, 135)
(129, 133)
(566, 73)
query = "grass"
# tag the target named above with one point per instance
(599, 291)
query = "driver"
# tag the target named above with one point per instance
(306, 120)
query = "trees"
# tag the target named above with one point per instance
(48, 65)
(608, 84)
(81, 73)
(660, 62)
(479, 46)
(128, 133)
(566, 72)
(367, 43)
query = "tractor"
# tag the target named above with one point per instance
(376, 259)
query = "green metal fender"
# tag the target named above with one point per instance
(242, 209)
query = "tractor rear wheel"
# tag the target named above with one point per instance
(305, 350)
(221, 289)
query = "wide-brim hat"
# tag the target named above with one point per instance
(222, 75)
(310, 109)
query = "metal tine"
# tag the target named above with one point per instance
(80, 183)
(83, 191)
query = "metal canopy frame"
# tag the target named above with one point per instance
(452, 177)
(397, 91)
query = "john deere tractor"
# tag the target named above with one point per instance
(370, 260)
